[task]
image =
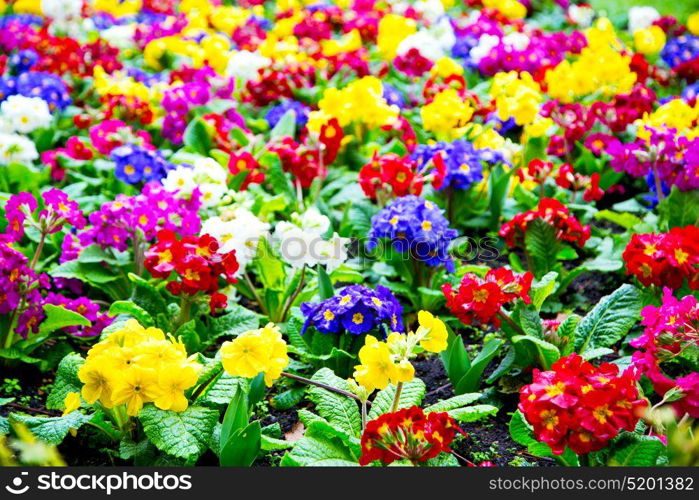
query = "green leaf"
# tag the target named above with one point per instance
(131, 309)
(325, 286)
(455, 402)
(679, 209)
(543, 289)
(625, 219)
(597, 353)
(544, 352)
(360, 215)
(609, 320)
(288, 399)
(323, 446)
(221, 391)
(412, 394)
(455, 358)
(51, 430)
(471, 381)
(242, 448)
(473, 413)
(236, 321)
(632, 450)
(566, 331)
(341, 411)
(270, 269)
(542, 246)
(94, 274)
(58, 317)
(276, 176)
(66, 381)
(147, 297)
(522, 433)
(196, 137)
(180, 434)
(285, 126)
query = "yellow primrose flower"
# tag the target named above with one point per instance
(96, 383)
(447, 115)
(511, 9)
(693, 23)
(516, 96)
(71, 403)
(118, 8)
(432, 332)
(27, 7)
(446, 66)
(377, 368)
(348, 43)
(135, 387)
(173, 380)
(393, 29)
(649, 41)
(254, 352)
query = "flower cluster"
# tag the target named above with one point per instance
(447, 115)
(58, 211)
(390, 174)
(408, 434)
(554, 213)
(665, 259)
(357, 309)
(197, 264)
(254, 352)
(135, 366)
(388, 362)
(134, 164)
(415, 226)
(671, 335)
(480, 300)
(516, 96)
(581, 406)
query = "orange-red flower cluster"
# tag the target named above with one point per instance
(665, 259)
(196, 263)
(580, 406)
(393, 174)
(408, 434)
(480, 300)
(552, 211)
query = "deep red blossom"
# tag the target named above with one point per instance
(479, 300)
(408, 434)
(553, 212)
(580, 406)
(665, 259)
(390, 175)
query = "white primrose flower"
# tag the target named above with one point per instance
(516, 40)
(581, 15)
(242, 233)
(209, 170)
(244, 64)
(119, 36)
(485, 45)
(16, 148)
(211, 193)
(312, 221)
(333, 253)
(642, 17)
(61, 10)
(25, 114)
(180, 179)
(433, 43)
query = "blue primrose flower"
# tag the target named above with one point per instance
(135, 164)
(652, 196)
(23, 60)
(680, 50)
(51, 88)
(415, 225)
(276, 113)
(356, 309)
(393, 96)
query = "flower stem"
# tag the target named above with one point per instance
(292, 297)
(396, 398)
(364, 416)
(321, 385)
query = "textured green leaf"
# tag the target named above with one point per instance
(51, 430)
(544, 352)
(542, 246)
(566, 330)
(285, 126)
(473, 413)
(522, 433)
(337, 409)
(221, 391)
(411, 395)
(455, 402)
(360, 215)
(270, 269)
(288, 399)
(133, 310)
(323, 446)
(609, 320)
(58, 317)
(597, 352)
(196, 137)
(147, 297)
(679, 209)
(238, 320)
(184, 434)
(66, 381)
(633, 450)
(624, 219)
(543, 289)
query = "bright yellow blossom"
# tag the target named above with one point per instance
(71, 403)
(377, 369)
(649, 41)
(173, 380)
(516, 96)
(393, 29)
(135, 387)
(447, 115)
(255, 352)
(511, 9)
(432, 332)
(693, 23)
